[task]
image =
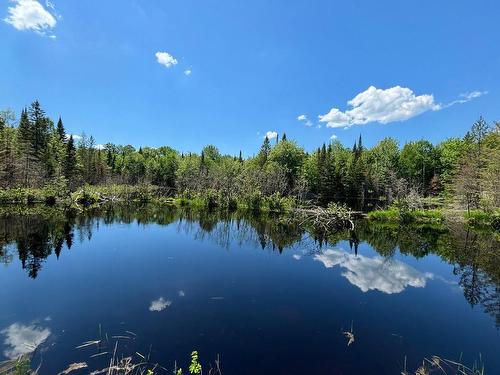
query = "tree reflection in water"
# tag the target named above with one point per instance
(35, 233)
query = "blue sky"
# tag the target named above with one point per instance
(255, 66)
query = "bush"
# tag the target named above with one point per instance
(253, 201)
(484, 218)
(86, 196)
(277, 203)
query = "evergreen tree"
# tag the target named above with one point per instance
(283, 138)
(40, 129)
(70, 161)
(61, 132)
(265, 149)
(25, 131)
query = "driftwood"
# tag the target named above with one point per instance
(330, 218)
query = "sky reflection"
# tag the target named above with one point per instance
(23, 339)
(376, 273)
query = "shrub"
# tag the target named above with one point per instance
(86, 196)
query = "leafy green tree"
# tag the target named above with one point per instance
(290, 157)
(383, 162)
(418, 164)
(450, 152)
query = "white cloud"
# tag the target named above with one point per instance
(100, 147)
(21, 339)
(31, 15)
(187, 72)
(271, 135)
(165, 59)
(76, 137)
(466, 97)
(333, 137)
(387, 105)
(296, 256)
(159, 304)
(304, 118)
(386, 275)
(182, 293)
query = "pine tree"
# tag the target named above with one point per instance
(283, 138)
(25, 131)
(70, 161)
(240, 158)
(265, 149)
(40, 129)
(60, 130)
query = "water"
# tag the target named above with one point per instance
(267, 296)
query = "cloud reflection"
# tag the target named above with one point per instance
(159, 304)
(377, 273)
(23, 339)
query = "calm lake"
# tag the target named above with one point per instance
(267, 296)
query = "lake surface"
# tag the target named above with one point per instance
(267, 296)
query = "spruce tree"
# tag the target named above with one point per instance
(24, 130)
(70, 161)
(283, 138)
(40, 129)
(265, 149)
(61, 132)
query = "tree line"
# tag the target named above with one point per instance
(36, 152)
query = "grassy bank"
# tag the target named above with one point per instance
(407, 216)
(479, 218)
(89, 195)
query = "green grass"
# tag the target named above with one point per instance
(396, 215)
(483, 218)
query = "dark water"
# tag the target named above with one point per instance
(269, 297)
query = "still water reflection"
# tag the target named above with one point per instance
(267, 295)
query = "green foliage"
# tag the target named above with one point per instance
(40, 159)
(395, 214)
(195, 366)
(253, 200)
(23, 366)
(278, 203)
(86, 196)
(484, 218)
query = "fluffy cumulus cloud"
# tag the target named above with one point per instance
(76, 137)
(165, 59)
(31, 15)
(159, 304)
(333, 137)
(388, 276)
(187, 72)
(23, 339)
(304, 119)
(271, 135)
(387, 105)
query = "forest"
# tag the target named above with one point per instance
(37, 153)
